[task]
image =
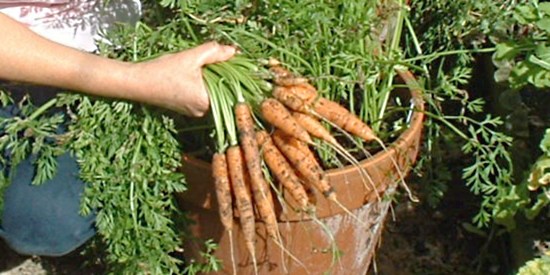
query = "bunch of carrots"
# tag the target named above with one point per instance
(294, 112)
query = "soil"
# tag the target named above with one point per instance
(425, 241)
(12, 263)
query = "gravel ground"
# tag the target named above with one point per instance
(12, 263)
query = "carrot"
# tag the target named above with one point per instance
(223, 194)
(237, 173)
(340, 116)
(277, 69)
(282, 76)
(223, 189)
(304, 98)
(304, 91)
(260, 191)
(290, 100)
(309, 168)
(277, 115)
(281, 169)
(316, 129)
(260, 187)
(290, 81)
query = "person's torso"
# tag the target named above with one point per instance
(74, 23)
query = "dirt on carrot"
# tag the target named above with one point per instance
(308, 167)
(341, 117)
(260, 187)
(237, 172)
(223, 189)
(282, 170)
(279, 116)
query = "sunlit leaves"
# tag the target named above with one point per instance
(525, 57)
(129, 157)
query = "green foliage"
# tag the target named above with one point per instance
(129, 160)
(315, 39)
(522, 61)
(210, 263)
(449, 34)
(32, 131)
(131, 178)
(530, 196)
(524, 58)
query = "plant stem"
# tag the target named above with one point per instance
(448, 124)
(446, 53)
(42, 109)
(394, 46)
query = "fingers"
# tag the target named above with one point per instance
(213, 52)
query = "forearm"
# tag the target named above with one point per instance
(27, 57)
(173, 81)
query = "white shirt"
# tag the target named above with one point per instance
(74, 23)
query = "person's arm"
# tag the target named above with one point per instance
(172, 81)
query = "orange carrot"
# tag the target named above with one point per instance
(281, 169)
(277, 115)
(309, 168)
(282, 76)
(290, 81)
(304, 91)
(341, 117)
(277, 69)
(290, 100)
(223, 189)
(260, 188)
(298, 86)
(303, 96)
(314, 127)
(223, 194)
(237, 171)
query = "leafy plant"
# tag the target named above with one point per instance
(524, 58)
(332, 43)
(443, 52)
(521, 59)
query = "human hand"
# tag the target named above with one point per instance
(175, 81)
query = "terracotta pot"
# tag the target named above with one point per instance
(305, 238)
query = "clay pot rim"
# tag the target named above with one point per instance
(417, 120)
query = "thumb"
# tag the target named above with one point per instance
(213, 52)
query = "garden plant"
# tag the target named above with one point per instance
(349, 56)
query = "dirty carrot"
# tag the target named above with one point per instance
(282, 76)
(316, 129)
(278, 115)
(291, 101)
(237, 171)
(260, 187)
(290, 81)
(340, 116)
(223, 189)
(281, 169)
(223, 194)
(260, 191)
(307, 167)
